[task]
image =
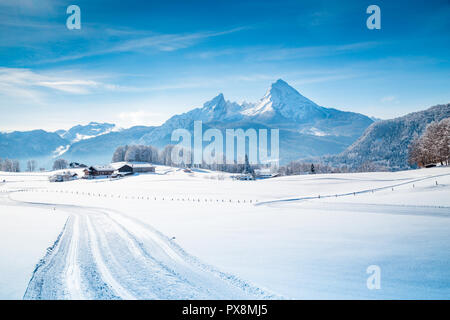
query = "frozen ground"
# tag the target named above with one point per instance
(233, 239)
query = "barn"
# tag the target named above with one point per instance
(125, 168)
(143, 167)
(130, 167)
(99, 171)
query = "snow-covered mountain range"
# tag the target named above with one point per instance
(306, 129)
(91, 130)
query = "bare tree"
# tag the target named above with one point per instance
(31, 165)
(60, 164)
(414, 154)
(166, 155)
(433, 146)
(443, 141)
(7, 165)
(119, 154)
(15, 166)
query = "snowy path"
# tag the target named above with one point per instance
(104, 254)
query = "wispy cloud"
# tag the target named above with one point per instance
(139, 117)
(326, 78)
(25, 83)
(388, 99)
(154, 41)
(37, 27)
(219, 82)
(29, 7)
(263, 53)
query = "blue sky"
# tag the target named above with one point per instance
(139, 62)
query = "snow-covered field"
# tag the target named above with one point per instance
(175, 235)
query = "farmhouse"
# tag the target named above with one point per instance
(128, 167)
(99, 171)
(125, 168)
(77, 165)
(61, 177)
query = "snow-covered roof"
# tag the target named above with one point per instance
(141, 165)
(103, 168)
(263, 171)
(117, 165)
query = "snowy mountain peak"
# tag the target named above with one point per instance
(280, 102)
(216, 102)
(96, 124)
(282, 85)
(218, 108)
(283, 95)
(282, 99)
(82, 132)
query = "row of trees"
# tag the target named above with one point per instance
(433, 146)
(138, 153)
(305, 167)
(165, 158)
(9, 165)
(60, 164)
(141, 153)
(12, 165)
(300, 167)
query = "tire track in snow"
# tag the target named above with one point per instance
(73, 278)
(105, 254)
(101, 265)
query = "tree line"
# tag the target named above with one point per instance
(137, 153)
(9, 165)
(142, 153)
(13, 165)
(433, 146)
(309, 167)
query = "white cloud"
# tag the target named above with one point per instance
(263, 53)
(70, 86)
(141, 117)
(158, 42)
(29, 6)
(25, 83)
(389, 99)
(326, 78)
